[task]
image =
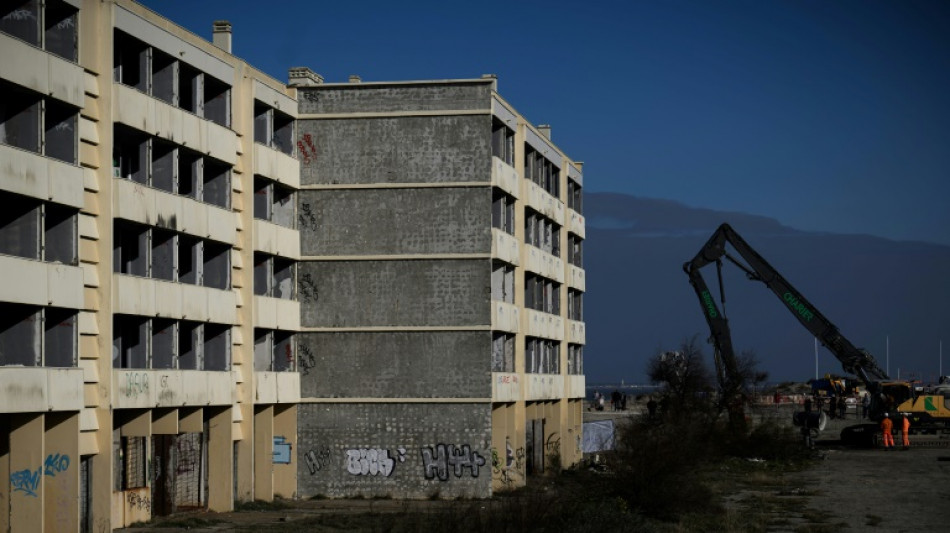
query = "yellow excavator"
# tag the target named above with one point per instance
(928, 412)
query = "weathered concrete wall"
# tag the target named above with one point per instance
(395, 293)
(395, 364)
(395, 450)
(395, 97)
(424, 149)
(395, 221)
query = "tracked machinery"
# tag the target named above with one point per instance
(929, 413)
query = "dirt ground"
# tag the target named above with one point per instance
(847, 489)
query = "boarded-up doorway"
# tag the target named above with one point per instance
(534, 446)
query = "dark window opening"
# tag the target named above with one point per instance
(283, 207)
(62, 30)
(503, 142)
(164, 165)
(164, 343)
(283, 138)
(189, 172)
(503, 352)
(19, 335)
(263, 265)
(20, 118)
(61, 337)
(575, 199)
(164, 77)
(189, 88)
(130, 61)
(217, 347)
(262, 198)
(19, 226)
(216, 265)
(129, 155)
(60, 126)
(60, 234)
(21, 20)
(189, 251)
(263, 115)
(129, 342)
(130, 248)
(284, 355)
(163, 254)
(283, 284)
(189, 341)
(217, 101)
(216, 183)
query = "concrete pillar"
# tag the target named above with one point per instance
(285, 474)
(26, 472)
(61, 472)
(220, 459)
(263, 450)
(245, 456)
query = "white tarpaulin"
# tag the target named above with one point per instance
(598, 436)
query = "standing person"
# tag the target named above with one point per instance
(623, 401)
(905, 431)
(807, 405)
(886, 427)
(842, 407)
(865, 403)
(651, 408)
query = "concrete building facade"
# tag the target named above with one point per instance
(441, 286)
(148, 243)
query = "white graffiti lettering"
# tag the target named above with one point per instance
(369, 461)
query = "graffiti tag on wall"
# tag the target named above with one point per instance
(307, 150)
(372, 461)
(317, 461)
(136, 383)
(28, 481)
(436, 461)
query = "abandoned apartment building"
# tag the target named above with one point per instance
(218, 287)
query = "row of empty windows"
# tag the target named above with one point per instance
(38, 336)
(38, 230)
(164, 165)
(272, 128)
(502, 141)
(39, 124)
(542, 232)
(575, 250)
(575, 304)
(542, 356)
(175, 82)
(49, 24)
(158, 253)
(542, 171)
(165, 343)
(575, 359)
(274, 350)
(503, 211)
(542, 294)
(274, 202)
(273, 276)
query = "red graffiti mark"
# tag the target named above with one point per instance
(309, 140)
(303, 152)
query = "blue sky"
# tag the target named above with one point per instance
(828, 116)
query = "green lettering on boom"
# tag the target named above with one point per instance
(798, 306)
(710, 306)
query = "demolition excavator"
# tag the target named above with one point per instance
(928, 413)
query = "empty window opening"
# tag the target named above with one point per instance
(503, 211)
(263, 117)
(130, 336)
(19, 226)
(542, 172)
(273, 128)
(60, 338)
(575, 359)
(575, 250)
(503, 282)
(503, 352)
(164, 343)
(190, 88)
(129, 458)
(217, 347)
(130, 63)
(189, 344)
(542, 356)
(263, 349)
(503, 141)
(216, 265)
(130, 248)
(283, 138)
(62, 30)
(575, 200)
(263, 265)
(283, 282)
(164, 77)
(130, 151)
(575, 304)
(542, 232)
(189, 265)
(164, 165)
(542, 294)
(284, 206)
(263, 189)
(217, 101)
(60, 234)
(21, 20)
(190, 165)
(62, 140)
(164, 245)
(20, 117)
(274, 350)
(19, 334)
(216, 183)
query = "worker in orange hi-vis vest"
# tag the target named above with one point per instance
(886, 427)
(905, 430)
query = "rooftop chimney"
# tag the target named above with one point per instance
(221, 35)
(303, 77)
(545, 130)
(354, 78)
